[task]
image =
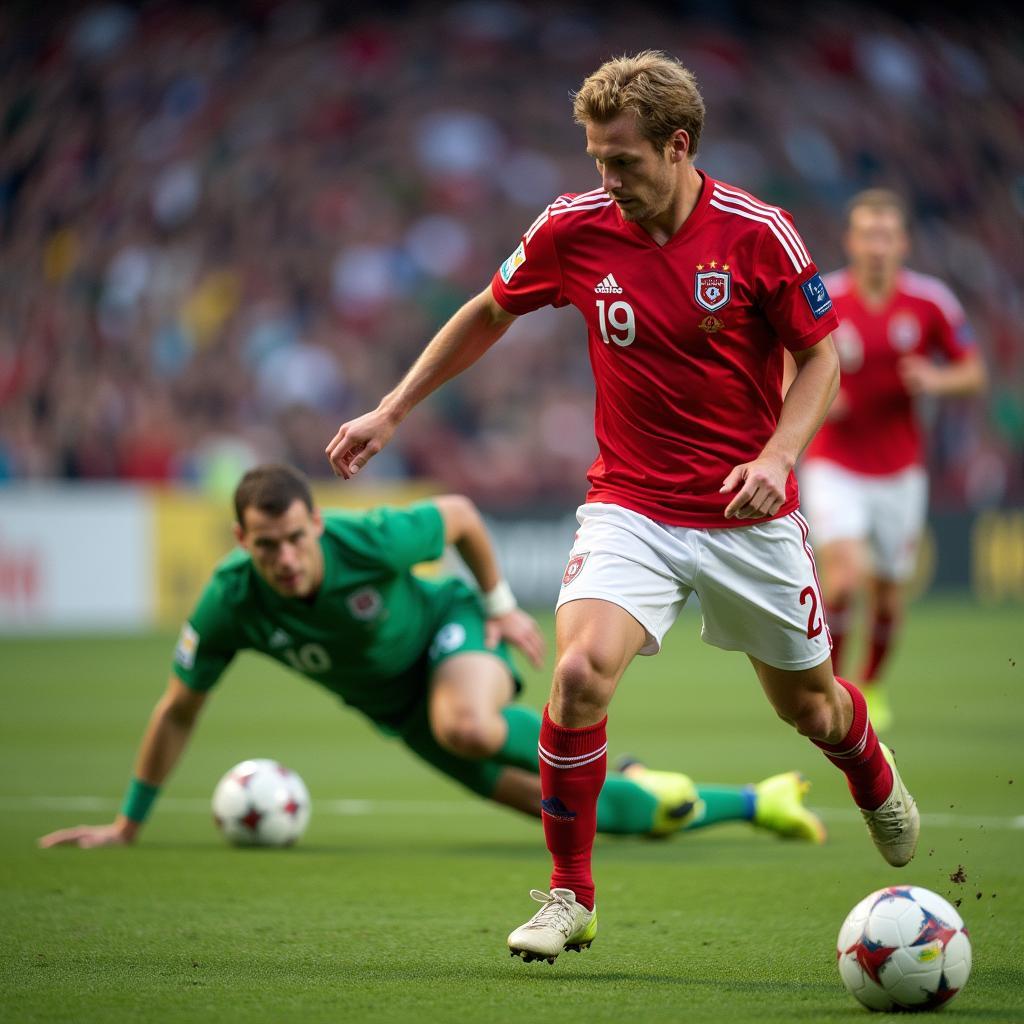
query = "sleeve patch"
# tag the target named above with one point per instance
(817, 296)
(513, 263)
(188, 644)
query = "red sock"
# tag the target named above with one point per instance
(838, 614)
(883, 627)
(573, 763)
(859, 756)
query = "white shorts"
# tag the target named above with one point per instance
(886, 512)
(757, 585)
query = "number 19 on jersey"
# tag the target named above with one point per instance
(617, 324)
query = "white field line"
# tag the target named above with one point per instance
(367, 808)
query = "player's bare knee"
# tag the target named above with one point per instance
(579, 684)
(465, 734)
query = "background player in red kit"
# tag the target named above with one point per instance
(691, 290)
(901, 335)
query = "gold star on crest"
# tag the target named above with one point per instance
(700, 266)
(725, 266)
(713, 264)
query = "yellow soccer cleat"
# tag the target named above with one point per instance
(779, 808)
(561, 923)
(678, 800)
(877, 699)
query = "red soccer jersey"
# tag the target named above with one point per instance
(685, 339)
(878, 433)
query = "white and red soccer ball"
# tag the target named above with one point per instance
(261, 803)
(903, 948)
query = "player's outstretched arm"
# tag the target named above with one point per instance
(762, 483)
(459, 344)
(464, 527)
(170, 726)
(962, 379)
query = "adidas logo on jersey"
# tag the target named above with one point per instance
(609, 286)
(279, 638)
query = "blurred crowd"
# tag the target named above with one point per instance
(224, 230)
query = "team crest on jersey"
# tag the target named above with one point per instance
(513, 263)
(365, 604)
(574, 568)
(712, 288)
(904, 332)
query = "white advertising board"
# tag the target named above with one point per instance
(75, 557)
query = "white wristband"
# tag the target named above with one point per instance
(499, 600)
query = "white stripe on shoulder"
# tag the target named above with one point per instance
(583, 206)
(561, 204)
(743, 199)
(584, 197)
(535, 226)
(798, 262)
(924, 286)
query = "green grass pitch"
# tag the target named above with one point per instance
(396, 904)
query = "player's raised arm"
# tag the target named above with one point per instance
(170, 726)
(762, 483)
(456, 346)
(465, 529)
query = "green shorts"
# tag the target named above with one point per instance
(458, 629)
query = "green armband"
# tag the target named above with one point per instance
(138, 800)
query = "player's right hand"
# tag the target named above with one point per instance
(520, 630)
(357, 441)
(119, 833)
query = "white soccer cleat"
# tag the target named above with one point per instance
(895, 825)
(561, 923)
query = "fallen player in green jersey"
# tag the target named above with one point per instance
(333, 596)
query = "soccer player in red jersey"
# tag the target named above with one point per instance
(901, 335)
(691, 291)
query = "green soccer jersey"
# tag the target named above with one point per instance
(365, 635)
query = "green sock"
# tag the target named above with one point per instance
(520, 749)
(724, 803)
(625, 808)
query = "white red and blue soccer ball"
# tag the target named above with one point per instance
(904, 948)
(260, 802)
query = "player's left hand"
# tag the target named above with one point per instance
(920, 376)
(520, 630)
(763, 491)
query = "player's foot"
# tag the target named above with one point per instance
(895, 825)
(561, 923)
(779, 807)
(678, 801)
(877, 699)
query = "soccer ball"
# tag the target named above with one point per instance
(261, 803)
(903, 948)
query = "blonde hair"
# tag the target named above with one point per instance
(656, 87)
(877, 199)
